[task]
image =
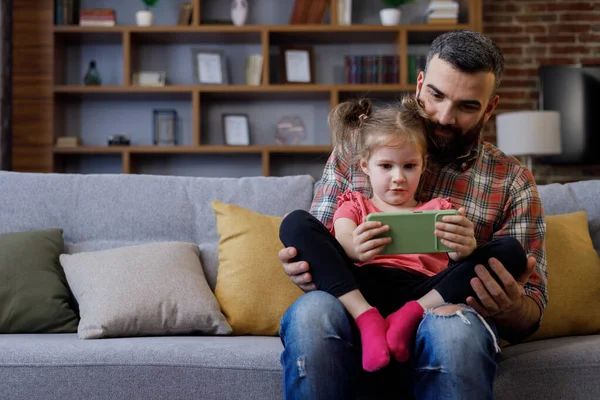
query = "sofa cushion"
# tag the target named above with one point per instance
(151, 289)
(564, 368)
(105, 211)
(174, 367)
(574, 279)
(252, 288)
(576, 196)
(34, 296)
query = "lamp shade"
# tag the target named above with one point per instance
(529, 133)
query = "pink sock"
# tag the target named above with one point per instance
(372, 327)
(403, 325)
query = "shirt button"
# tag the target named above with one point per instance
(464, 165)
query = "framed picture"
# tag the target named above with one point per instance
(297, 64)
(165, 127)
(236, 129)
(210, 67)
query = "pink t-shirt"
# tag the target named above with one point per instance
(355, 206)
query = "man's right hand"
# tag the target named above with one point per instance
(297, 271)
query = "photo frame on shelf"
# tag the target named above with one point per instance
(165, 127)
(236, 129)
(297, 64)
(210, 67)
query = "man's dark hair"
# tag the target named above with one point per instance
(469, 52)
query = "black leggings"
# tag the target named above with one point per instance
(387, 288)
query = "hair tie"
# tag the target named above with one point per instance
(363, 116)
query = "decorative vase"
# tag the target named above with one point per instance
(239, 12)
(92, 76)
(389, 16)
(144, 18)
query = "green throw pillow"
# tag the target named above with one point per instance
(34, 296)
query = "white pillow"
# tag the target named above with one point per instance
(149, 289)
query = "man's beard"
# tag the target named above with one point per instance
(446, 148)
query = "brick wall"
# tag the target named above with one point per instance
(533, 33)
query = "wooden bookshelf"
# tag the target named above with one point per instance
(129, 39)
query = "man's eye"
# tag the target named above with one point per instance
(436, 95)
(470, 109)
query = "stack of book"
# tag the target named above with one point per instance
(254, 64)
(309, 11)
(97, 17)
(371, 69)
(442, 12)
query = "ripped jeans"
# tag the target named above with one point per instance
(455, 356)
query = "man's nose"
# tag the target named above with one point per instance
(446, 115)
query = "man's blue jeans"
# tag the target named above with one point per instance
(454, 356)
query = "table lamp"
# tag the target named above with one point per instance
(529, 133)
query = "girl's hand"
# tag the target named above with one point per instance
(366, 245)
(457, 232)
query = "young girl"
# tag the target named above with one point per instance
(391, 149)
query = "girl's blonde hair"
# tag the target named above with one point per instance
(357, 129)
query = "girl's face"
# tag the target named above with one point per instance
(394, 172)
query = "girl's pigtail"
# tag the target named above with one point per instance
(345, 123)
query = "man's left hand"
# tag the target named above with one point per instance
(493, 298)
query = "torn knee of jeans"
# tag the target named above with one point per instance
(301, 365)
(449, 309)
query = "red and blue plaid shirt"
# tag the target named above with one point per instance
(499, 194)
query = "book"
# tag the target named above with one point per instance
(185, 14)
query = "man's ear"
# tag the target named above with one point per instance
(491, 107)
(420, 80)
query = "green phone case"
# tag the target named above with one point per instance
(412, 232)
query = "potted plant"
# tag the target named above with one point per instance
(145, 17)
(390, 15)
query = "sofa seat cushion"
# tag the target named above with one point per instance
(54, 366)
(563, 368)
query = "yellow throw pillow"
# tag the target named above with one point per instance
(251, 288)
(573, 279)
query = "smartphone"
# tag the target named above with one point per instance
(412, 232)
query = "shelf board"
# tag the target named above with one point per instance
(74, 89)
(279, 34)
(207, 149)
(225, 92)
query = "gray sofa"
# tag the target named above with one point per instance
(106, 211)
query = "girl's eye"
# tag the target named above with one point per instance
(409, 166)
(386, 166)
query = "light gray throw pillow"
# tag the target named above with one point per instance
(149, 289)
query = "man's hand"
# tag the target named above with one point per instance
(297, 271)
(515, 314)
(457, 232)
(366, 244)
(495, 299)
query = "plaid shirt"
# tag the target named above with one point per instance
(498, 193)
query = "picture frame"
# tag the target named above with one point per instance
(165, 127)
(210, 67)
(236, 129)
(297, 64)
